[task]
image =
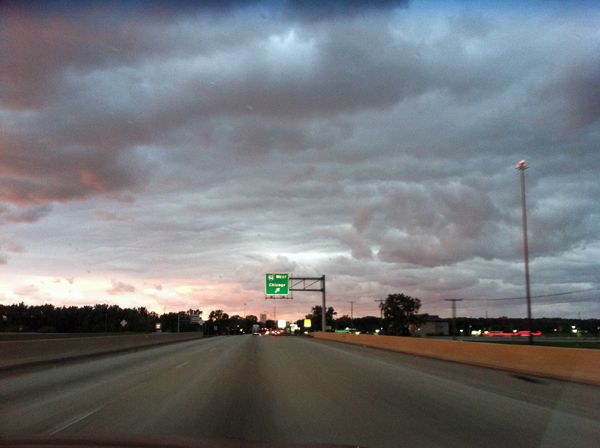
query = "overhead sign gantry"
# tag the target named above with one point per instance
(278, 285)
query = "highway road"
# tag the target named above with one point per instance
(296, 390)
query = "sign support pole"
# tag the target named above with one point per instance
(312, 284)
(323, 314)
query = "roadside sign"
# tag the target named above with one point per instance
(307, 323)
(123, 323)
(195, 319)
(277, 284)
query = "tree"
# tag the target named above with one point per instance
(315, 316)
(344, 322)
(171, 322)
(248, 322)
(367, 324)
(218, 315)
(219, 319)
(399, 311)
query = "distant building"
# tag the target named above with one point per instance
(432, 325)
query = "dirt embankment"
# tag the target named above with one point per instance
(570, 364)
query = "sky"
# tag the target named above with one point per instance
(168, 155)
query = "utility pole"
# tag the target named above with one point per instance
(522, 166)
(380, 311)
(453, 315)
(352, 310)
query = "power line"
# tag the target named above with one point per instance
(589, 299)
(536, 297)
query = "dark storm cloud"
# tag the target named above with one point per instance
(580, 88)
(74, 8)
(34, 173)
(315, 10)
(306, 9)
(47, 61)
(372, 143)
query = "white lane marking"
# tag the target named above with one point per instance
(74, 420)
(182, 364)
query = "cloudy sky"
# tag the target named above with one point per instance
(170, 156)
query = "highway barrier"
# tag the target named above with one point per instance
(570, 364)
(27, 353)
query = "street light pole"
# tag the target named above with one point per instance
(522, 166)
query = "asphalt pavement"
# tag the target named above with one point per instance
(296, 390)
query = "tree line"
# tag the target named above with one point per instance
(400, 317)
(75, 319)
(110, 319)
(399, 311)
(114, 319)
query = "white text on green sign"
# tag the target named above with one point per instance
(277, 284)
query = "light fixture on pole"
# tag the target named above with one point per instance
(522, 166)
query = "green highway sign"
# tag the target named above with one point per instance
(277, 284)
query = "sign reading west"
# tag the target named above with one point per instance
(277, 284)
